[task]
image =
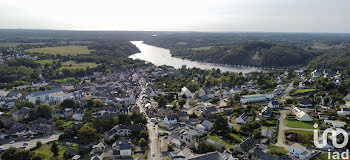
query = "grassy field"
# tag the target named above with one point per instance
(9, 44)
(302, 132)
(202, 48)
(45, 152)
(74, 65)
(62, 50)
(181, 43)
(298, 124)
(301, 91)
(45, 61)
(275, 150)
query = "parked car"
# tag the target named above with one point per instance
(12, 142)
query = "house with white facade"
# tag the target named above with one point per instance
(48, 96)
(299, 151)
(170, 119)
(273, 104)
(301, 115)
(186, 91)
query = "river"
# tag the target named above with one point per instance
(161, 56)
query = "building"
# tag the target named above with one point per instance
(305, 102)
(242, 119)
(273, 104)
(185, 91)
(301, 115)
(21, 114)
(299, 151)
(344, 111)
(55, 95)
(121, 150)
(170, 119)
(256, 98)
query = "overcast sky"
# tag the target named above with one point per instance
(178, 15)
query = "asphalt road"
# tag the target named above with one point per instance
(32, 143)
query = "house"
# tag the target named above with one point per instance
(299, 151)
(344, 111)
(164, 112)
(121, 150)
(266, 112)
(185, 91)
(260, 155)
(70, 152)
(210, 156)
(21, 114)
(305, 102)
(256, 98)
(67, 87)
(78, 115)
(182, 116)
(99, 148)
(316, 73)
(96, 158)
(301, 115)
(273, 104)
(14, 95)
(335, 123)
(242, 119)
(170, 119)
(207, 124)
(347, 97)
(48, 96)
(247, 145)
(219, 146)
(268, 134)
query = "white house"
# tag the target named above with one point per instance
(186, 91)
(344, 111)
(316, 73)
(299, 151)
(242, 119)
(256, 98)
(170, 119)
(273, 104)
(53, 95)
(347, 97)
(301, 115)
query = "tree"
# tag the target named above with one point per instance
(144, 134)
(162, 102)
(45, 111)
(87, 134)
(9, 154)
(23, 155)
(182, 102)
(68, 103)
(22, 104)
(115, 120)
(220, 123)
(54, 149)
(97, 103)
(142, 142)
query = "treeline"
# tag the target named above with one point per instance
(251, 54)
(336, 60)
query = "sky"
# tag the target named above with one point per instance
(178, 15)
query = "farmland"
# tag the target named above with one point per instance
(74, 65)
(62, 50)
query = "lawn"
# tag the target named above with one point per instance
(322, 156)
(237, 137)
(66, 124)
(301, 91)
(217, 139)
(298, 124)
(62, 50)
(202, 48)
(302, 132)
(44, 61)
(181, 43)
(74, 65)
(45, 152)
(277, 151)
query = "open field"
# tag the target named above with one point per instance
(9, 44)
(74, 65)
(202, 48)
(44, 61)
(301, 91)
(298, 124)
(62, 50)
(181, 43)
(45, 152)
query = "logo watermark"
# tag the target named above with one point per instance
(321, 144)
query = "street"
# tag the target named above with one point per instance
(154, 146)
(32, 143)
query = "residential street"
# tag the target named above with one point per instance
(32, 143)
(154, 145)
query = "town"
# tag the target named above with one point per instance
(159, 112)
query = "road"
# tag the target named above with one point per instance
(281, 136)
(154, 146)
(32, 143)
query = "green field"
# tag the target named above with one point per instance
(44, 61)
(62, 50)
(74, 65)
(45, 152)
(298, 124)
(9, 44)
(301, 91)
(202, 48)
(181, 43)
(277, 151)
